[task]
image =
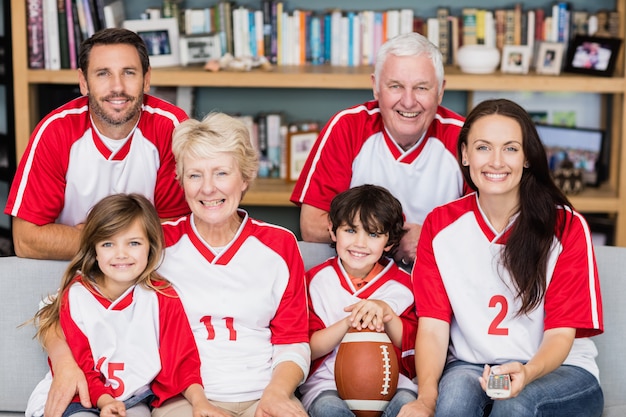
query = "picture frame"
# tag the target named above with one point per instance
(592, 55)
(299, 144)
(584, 147)
(549, 59)
(515, 59)
(198, 49)
(161, 37)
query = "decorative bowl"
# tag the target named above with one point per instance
(478, 59)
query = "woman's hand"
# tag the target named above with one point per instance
(516, 371)
(275, 403)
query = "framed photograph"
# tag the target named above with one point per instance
(549, 58)
(582, 147)
(198, 49)
(161, 38)
(299, 145)
(515, 59)
(592, 55)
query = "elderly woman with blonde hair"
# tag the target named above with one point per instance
(241, 280)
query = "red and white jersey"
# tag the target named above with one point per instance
(458, 278)
(141, 340)
(330, 290)
(67, 166)
(354, 148)
(240, 302)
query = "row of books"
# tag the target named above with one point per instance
(352, 38)
(516, 26)
(57, 27)
(296, 37)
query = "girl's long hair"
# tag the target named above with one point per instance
(532, 236)
(110, 216)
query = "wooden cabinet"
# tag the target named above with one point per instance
(608, 198)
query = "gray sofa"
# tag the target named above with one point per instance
(24, 282)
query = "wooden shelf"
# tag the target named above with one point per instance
(269, 192)
(328, 77)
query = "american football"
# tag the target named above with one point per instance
(366, 371)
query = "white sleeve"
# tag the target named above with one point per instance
(299, 353)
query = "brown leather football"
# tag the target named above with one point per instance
(366, 371)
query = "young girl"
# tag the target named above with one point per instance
(361, 287)
(124, 324)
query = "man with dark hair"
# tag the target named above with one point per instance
(115, 138)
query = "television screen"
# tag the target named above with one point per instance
(583, 147)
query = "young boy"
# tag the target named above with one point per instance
(360, 287)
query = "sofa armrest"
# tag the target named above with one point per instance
(24, 283)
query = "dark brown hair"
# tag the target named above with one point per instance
(378, 210)
(113, 36)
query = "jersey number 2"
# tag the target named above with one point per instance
(229, 323)
(494, 328)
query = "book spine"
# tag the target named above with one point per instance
(64, 48)
(267, 28)
(316, 40)
(469, 26)
(274, 33)
(52, 47)
(259, 34)
(71, 38)
(509, 28)
(444, 34)
(274, 149)
(36, 59)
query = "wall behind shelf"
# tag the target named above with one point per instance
(296, 104)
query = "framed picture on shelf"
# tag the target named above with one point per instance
(592, 55)
(299, 145)
(515, 59)
(580, 148)
(198, 49)
(549, 58)
(161, 38)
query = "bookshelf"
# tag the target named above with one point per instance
(609, 198)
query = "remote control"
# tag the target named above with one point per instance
(499, 386)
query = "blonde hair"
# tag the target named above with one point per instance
(216, 134)
(110, 216)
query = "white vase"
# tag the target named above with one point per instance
(478, 59)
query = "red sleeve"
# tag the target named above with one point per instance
(42, 170)
(169, 198)
(328, 169)
(81, 350)
(180, 361)
(431, 298)
(290, 323)
(573, 297)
